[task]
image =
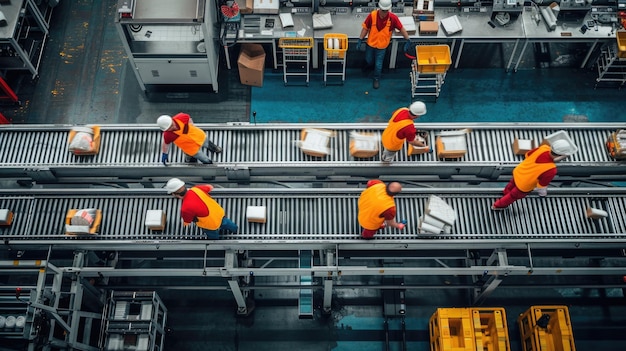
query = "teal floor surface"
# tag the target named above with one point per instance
(467, 95)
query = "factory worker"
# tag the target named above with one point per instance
(189, 138)
(401, 128)
(200, 208)
(535, 172)
(377, 207)
(378, 27)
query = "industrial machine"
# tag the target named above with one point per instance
(170, 48)
(505, 11)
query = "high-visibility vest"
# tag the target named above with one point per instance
(216, 213)
(375, 38)
(390, 140)
(190, 138)
(527, 173)
(374, 201)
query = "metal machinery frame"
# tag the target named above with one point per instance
(306, 245)
(24, 37)
(170, 45)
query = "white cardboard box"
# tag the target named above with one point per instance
(266, 6)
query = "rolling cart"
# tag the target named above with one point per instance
(428, 69)
(335, 47)
(296, 57)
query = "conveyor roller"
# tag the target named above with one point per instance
(320, 217)
(40, 153)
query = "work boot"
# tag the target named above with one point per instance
(376, 83)
(209, 162)
(191, 160)
(214, 148)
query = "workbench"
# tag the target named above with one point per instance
(23, 39)
(521, 31)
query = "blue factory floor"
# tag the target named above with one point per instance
(85, 78)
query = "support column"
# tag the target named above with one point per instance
(245, 305)
(491, 280)
(328, 282)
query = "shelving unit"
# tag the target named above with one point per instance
(296, 57)
(611, 67)
(134, 321)
(23, 40)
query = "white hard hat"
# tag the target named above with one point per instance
(562, 147)
(173, 185)
(384, 4)
(164, 122)
(417, 108)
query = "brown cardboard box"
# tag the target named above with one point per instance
(522, 146)
(245, 6)
(451, 146)
(251, 64)
(429, 27)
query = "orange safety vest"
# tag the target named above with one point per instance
(373, 202)
(190, 138)
(390, 139)
(526, 174)
(378, 39)
(216, 213)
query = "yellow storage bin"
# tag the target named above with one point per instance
(490, 329)
(621, 43)
(433, 58)
(546, 328)
(451, 330)
(335, 45)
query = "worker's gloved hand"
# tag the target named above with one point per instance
(164, 158)
(542, 191)
(359, 44)
(407, 46)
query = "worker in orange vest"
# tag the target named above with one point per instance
(535, 172)
(377, 207)
(200, 208)
(379, 26)
(189, 138)
(401, 128)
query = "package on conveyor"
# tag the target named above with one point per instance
(522, 146)
(364, 145)
(418, 150)
(6, 217)
(438, 217)
(561, 135)
(616, 144)
(452, 144)
(82, 221)
(84, 140)
(315, 142)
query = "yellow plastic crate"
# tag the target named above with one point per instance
(621, 43)
(335, 45)
(490, 329)
(433, 58)
(558, 335)
(295, 43)
(451, 330)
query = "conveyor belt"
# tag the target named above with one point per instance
(300, 218)
(39, 152)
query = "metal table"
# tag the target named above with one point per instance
(303, 27)
(565, 31)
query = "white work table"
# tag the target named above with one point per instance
(475, 29)
(565, 31)
(303, 27)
